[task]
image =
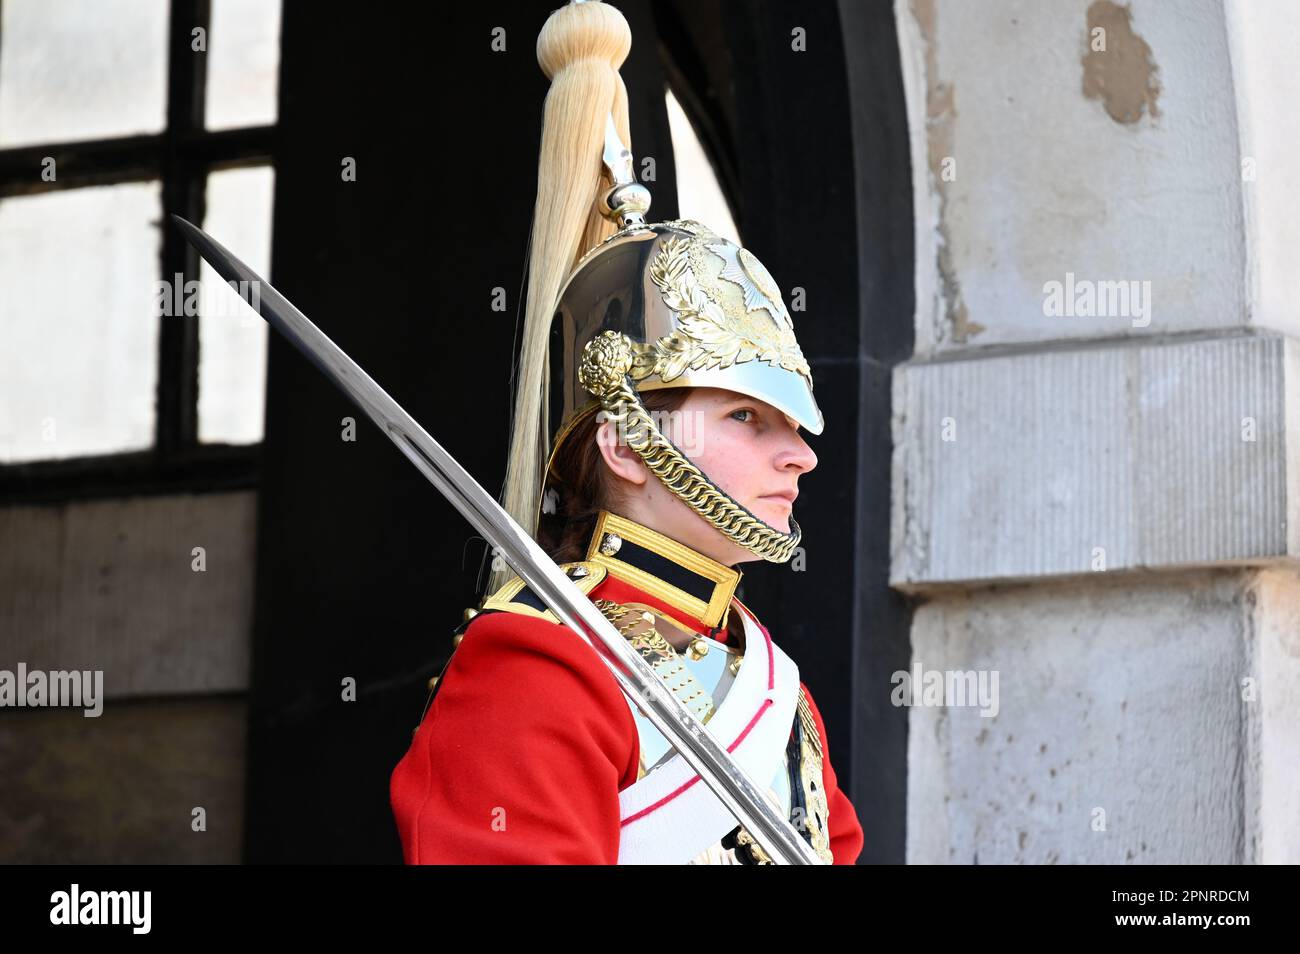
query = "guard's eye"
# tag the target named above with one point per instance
(743, 410)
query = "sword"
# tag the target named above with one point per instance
(729, 782)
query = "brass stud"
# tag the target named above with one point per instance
(698, 649)
(610, 544)
(433, 682)
(455, 640)
(734, 664)
(468, 615)
(578, 572)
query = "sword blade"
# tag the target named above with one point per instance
(729, 782)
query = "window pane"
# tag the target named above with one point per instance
(71, 70)
(699, 196)
(232, 338)
(78, 325)
(243, 63)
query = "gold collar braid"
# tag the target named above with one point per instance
(607, 362)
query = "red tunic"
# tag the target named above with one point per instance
(524, 749)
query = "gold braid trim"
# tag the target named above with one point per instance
(816, 820)
(638, 628)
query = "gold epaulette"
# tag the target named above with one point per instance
(516, 597)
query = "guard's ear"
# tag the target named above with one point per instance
(621, 459)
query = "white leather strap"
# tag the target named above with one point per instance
(671, 815)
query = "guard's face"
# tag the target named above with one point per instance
(748, 448)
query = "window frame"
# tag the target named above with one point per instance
(180, 158)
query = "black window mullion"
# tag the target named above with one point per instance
(127, 158)
(183, 181)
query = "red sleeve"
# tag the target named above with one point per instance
(521, 755)
(846, 832)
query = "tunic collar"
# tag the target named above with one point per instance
(693, 588)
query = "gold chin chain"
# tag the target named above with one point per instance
(605, 365)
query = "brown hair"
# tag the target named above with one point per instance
(585, 484)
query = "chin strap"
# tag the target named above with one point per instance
(606, 363)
